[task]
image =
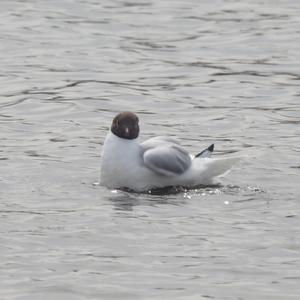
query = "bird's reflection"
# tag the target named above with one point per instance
(126, 200)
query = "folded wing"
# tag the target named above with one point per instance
(165, 156)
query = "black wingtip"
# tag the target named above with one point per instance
(211, 147)
(207, 152)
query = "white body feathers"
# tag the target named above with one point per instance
(129, 164)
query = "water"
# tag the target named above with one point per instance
(220, 71)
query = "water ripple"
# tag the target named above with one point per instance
(226, 73)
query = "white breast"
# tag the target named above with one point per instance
(121, 162)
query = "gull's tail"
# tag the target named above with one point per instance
(219, 166)
(206, 170)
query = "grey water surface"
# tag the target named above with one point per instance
(219, 71)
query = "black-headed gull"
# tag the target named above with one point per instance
(156, 163)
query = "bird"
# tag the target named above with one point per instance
(158, 162)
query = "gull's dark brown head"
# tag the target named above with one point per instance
(125, 125)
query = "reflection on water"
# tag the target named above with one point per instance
(223, 72)
(178, 196)
(124, 201)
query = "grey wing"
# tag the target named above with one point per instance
(167, 159)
